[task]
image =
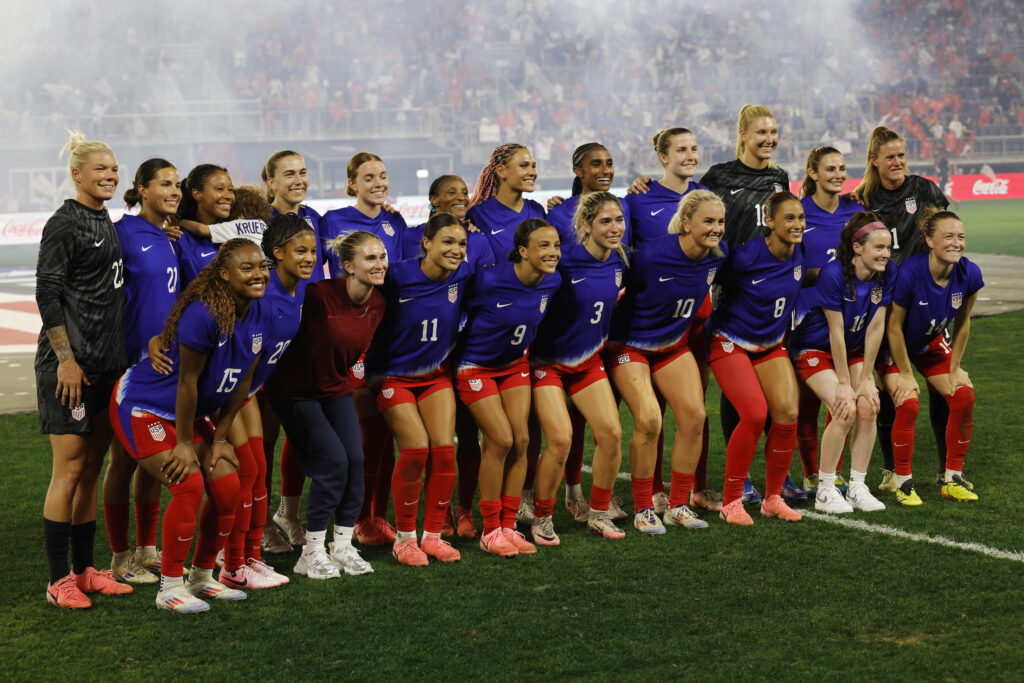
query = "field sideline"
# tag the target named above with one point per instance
(797, 601)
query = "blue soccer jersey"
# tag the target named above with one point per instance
(387, 226)
(194, 254)
(832, 293)
(151, 282)
(561, 217)
(313, 218)
(228, 359)
(478, 247)
(504, 315)
(499, 222)
(820, 239)
(930, 308)
(421, 322)
(652, 211)
(759, 293)
(579, 317)
(664, 288)
(285, 315)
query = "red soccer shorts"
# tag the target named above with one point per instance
(934, 360)
(723, 348)
(151, 434)
(475, 383)
(620, 354)
(397, 390)
(572, 379)
(810, 362)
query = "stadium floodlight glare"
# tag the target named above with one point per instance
(422, 173)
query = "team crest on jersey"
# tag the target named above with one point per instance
(453, 292)
(78, 412)
(156, 430)
(728, 346)
(797, 272)
(257, 342)
(358, 370)
(476, 384)
(911, 204)
(876, 294)
(711, 275)
(539, 374)
(618, 277)
(387, 393)
(623, 358)
(958, 298)
(543, 303)
(388, 229)
(812, 362)
(778, 187)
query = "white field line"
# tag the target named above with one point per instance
(887, 530)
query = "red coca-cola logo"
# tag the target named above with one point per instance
(998, 186)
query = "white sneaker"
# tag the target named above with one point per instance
(683, 516)
(149, 557)
(349, 560)
(860, 498)
(208, 588)
(577, 506)
(525, 513)
(246, 577)
(291, 529)
(615, 510)
(264, 569)
(316, 564)
(179, 599)
(273, 541)
(132, 571)
(647, 522)
(661, 504)
(831, 501)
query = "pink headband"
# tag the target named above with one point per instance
(874, 225)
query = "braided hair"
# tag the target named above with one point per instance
(283, 227)
(487, 183)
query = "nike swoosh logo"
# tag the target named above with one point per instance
(185, 540)
(408, 503)
(96, 244)
(228, 533)
(961, 442)
(495, 232)
(757, 282)
(147, 248)
(575, 281)
(402, 301)
(665, 279)
(246, 505)
(524, 374)
(502, 305)
(922, 303)
(655, 213)
(222, 342)
(204, 254)
(900, 445)
(735, 191)
(808, 229)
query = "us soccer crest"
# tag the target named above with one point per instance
(812, 362)
(257, 342)
(156, 430)
(387, 393)
(453, 292)
(911, 204)
(623, 358)
(618, 277)
(797, 272)
(358, 370)
(388, 229)
(78, 412)
(876, 294)
(778, 187)
(476, 384)
(540, 374)
(543, 303)
(728, 346)
(958, 298)
(711, 275)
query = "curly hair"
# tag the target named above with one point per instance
(250, 203)
(487, 183)
(209, 289)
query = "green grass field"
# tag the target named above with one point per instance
(994, 226)
(804, 601)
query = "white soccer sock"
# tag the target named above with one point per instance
(575, 490)
(900, 478)
(857, 477)
(314, 541)
(343, 535)
(428, 534)
(950, 473)
(197, 574)
(826, 480)
(402, 536)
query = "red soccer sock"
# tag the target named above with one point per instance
(682, 484)
(147, 522)
(490, 510)
(405, 485)
(440, 485)
(959, 427)
(574, 461)
(700, 478)
(217, 519)
(778, 454)
(659, 460)
(736, 376)
(807, 430)
(903, 436)
(180, 523)
(248, 470)
(292, 476)
(600, 498)
(642, 493)
(509, 510)
(260, 496)
(115, 516)
(543, 507)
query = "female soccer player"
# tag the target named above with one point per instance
(835, 348)
(406, 360)
(896, 197)
(498, 206)
(289, 244)
(312, 392)
(215, 338)
(826, 212)
(935, 289)
(505, 307)
(593, 169)
(79, 291)
(207, 197)
(565, 358)
(368, 183)
(287, 181)
(760, 282)
(670, 276)
(150, 289)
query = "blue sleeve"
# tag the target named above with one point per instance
(481, 252)
(903, 290)
(197, 329)
(974, 279)
(829, 290)
(891, 274)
